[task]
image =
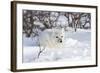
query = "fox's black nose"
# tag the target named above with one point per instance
(60, 41)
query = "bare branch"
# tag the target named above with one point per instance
(40, 50)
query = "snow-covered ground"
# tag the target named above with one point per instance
(77, 47)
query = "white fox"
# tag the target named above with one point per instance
(52, 38)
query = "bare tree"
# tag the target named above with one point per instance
(41, 20)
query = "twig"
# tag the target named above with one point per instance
(40, 50)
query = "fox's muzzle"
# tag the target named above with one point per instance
(59, 40)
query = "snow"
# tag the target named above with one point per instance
(62, 21)
(77, 47)
(53, 16)
(87, 25)
(38, 23)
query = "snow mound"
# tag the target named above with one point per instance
(71, 42)
(77, 47)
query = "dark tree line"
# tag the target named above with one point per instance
(35, 21)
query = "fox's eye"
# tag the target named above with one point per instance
(56, 36)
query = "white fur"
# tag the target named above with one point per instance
(52, 38)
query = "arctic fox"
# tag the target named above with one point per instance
(52, 38)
